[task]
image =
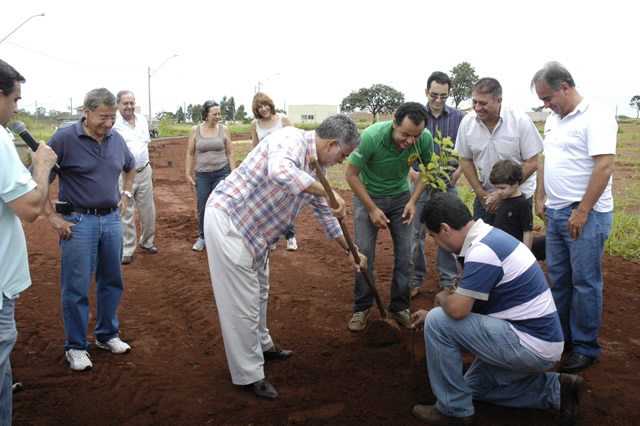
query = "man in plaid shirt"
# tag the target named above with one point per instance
(246, 214)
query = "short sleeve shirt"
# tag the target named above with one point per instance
(514, 216)
(384, 168)
(89, 171)
(515, 138)
(570, 143)
(15, 182)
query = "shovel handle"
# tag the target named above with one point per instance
(352, 248)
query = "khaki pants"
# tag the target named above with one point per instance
(142, 200)
(241, 297)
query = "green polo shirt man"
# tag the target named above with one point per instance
(378, 175)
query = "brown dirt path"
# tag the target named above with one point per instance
(177, 371)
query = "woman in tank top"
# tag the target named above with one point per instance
(210, 145)
(267, 121)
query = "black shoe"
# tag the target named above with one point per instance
(126, 260)
(570, 392)
(17, 385)
(263, 389)
(278, 354)
(576, 362)
(150, 250)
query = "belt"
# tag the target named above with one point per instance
(97, 212)
(142, 168)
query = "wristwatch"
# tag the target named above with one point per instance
(348, 251)
(127, 193)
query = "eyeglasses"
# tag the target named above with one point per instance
(106, 117)
(435, 96)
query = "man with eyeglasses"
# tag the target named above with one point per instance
(443, 120)
(135, 131)
(91, 157)
(493, 132)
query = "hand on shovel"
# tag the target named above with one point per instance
(341, 210)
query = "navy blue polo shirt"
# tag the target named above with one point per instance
(447, 123)
(89, 171)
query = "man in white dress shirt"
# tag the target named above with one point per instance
(135, 131)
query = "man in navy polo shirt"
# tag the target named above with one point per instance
(91, 158)
(503, 313)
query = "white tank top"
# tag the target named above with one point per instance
(263, 133)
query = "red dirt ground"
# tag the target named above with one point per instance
(177, 371)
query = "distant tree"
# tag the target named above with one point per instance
(463, 77)
(228, 108)
(41, 111)
(635, 102)
(164, 115)
(377, 99)
(53, 113)
(180, 115)
(241, 115)
(537, 109)
(196, 113)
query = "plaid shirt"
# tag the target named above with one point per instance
(264, 195)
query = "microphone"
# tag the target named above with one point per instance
(19, 128)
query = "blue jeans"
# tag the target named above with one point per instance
(95, 246)
(366, 235)
(205, 184)
(8, 336)
(575, 271)
(290, 233)
(503, 373)
(445, 261)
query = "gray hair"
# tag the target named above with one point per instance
(554, 74)
(122, 93)
(488, 85)
(341, 128)
(98, 97)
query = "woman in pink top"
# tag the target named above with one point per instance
(267, 121)
(210, 145)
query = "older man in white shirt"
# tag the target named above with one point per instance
(135, 131)
(495, 132)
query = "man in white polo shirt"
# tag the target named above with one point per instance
(135, 131)
(495, 132)
(575, 176)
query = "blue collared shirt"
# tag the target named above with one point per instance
(447, 123)
(89, 171)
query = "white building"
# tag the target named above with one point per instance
(311, 113)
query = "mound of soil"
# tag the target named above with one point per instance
(177, 371)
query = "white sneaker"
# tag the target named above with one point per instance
(292, 244)
(114, 345)
(78, 359)
(199, 245)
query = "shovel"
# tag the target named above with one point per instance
(352, 248)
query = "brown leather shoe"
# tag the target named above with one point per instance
(570, 392)
(430, 414)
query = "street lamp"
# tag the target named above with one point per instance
(260, 84)
(149, 74)
(28, 19)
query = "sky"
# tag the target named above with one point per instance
(303, 52)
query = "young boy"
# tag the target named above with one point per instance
(514, 215)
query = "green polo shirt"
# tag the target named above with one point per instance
(384, 169)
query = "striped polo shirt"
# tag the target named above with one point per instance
(504, 277)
